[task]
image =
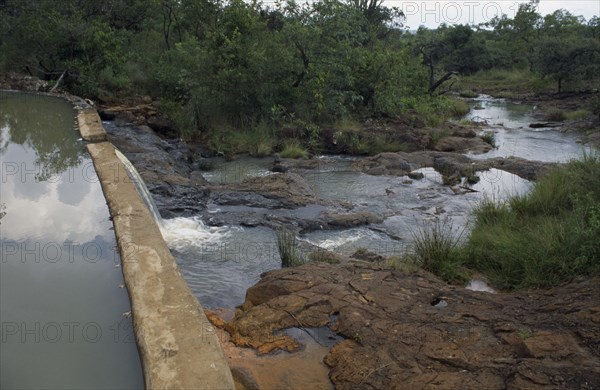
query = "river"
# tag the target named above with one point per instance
(220, 263)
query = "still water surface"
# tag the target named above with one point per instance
(61, 288)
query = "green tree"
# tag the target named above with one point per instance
(566, 51)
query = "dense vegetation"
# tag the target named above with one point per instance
(543, 238)
(241, 73)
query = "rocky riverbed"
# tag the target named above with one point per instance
(404, 329)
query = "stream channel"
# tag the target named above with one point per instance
(221, 262)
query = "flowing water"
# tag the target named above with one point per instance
(142, 189)
(510, 123)
(61, 286)
(218, 263)
(221, 263)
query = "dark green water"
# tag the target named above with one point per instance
(61, 295)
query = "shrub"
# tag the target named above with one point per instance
(578, 114)
(556, 116)
(458, 108)
(468, 94)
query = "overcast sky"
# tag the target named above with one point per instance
(432, 13)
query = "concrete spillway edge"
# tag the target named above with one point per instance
(179, 347)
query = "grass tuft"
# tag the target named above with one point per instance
(288, 249)
(489, 137)
(293, 149)
(436, 249)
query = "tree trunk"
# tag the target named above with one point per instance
(58, 82)
(560, 84)
(441, 81)
(305, 62)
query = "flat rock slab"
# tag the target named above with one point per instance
(397, 338)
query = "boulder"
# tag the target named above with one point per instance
(459, 144)
(280, 190)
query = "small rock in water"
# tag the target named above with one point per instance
(480, 285)
(415, 175)
(439, 303)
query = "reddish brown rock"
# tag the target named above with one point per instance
(395, 338)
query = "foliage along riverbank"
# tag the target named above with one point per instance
(247, 77)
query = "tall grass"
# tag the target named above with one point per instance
(288, 249)
(543, 238)
(436, 249)
(293, 149)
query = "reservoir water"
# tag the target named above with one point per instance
(64, 311)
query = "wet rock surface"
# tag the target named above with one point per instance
(460, 144)
(521, 167)
(285, 190)
(447, 163)
(395, 337)
(165, 166)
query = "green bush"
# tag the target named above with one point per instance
(469, 94)
(458, 108)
